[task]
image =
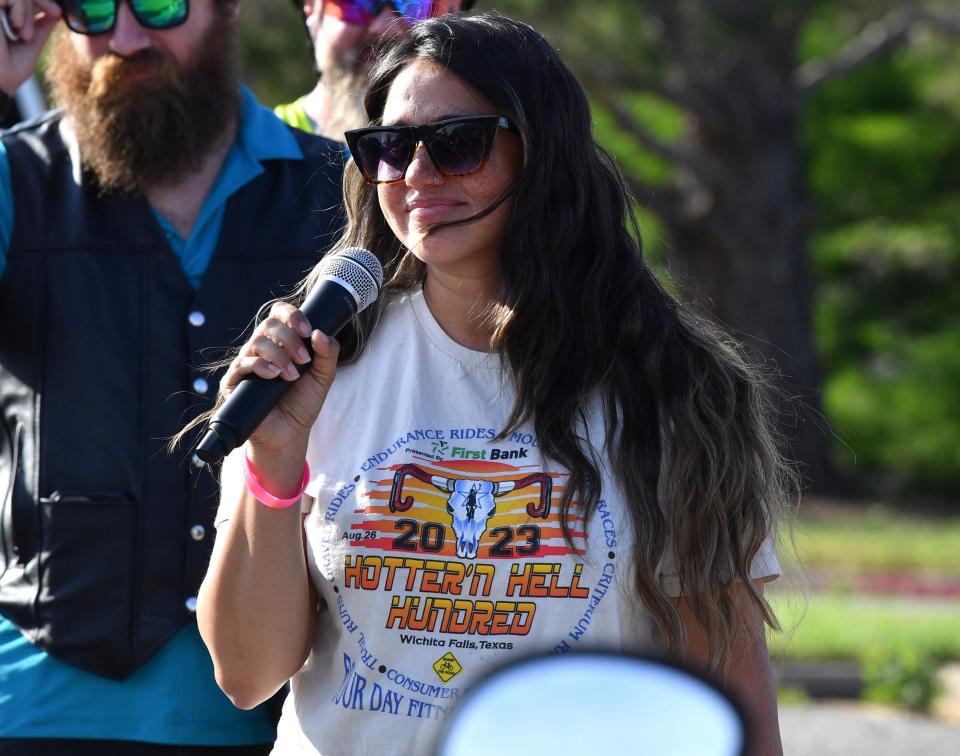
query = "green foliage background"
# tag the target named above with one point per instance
(883, 147)
(276, 60)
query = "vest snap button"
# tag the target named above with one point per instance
(191, 604)
(200, 385)
(197, 532)
(197, 318)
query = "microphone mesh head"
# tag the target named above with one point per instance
(359, 268)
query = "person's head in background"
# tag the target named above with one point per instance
(344, 34)
(149, 96)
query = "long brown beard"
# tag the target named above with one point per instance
(140, 131)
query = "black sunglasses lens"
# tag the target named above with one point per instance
(460, 148)
(383, 155)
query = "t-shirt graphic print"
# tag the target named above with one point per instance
(436, 545)
(444, 564)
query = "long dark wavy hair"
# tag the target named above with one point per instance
(581, 318)
(689, 422)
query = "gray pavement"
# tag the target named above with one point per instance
(851, 729)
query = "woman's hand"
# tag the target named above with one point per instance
(30, 29)
(277, 351)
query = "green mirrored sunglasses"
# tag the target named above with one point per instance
(100, 16)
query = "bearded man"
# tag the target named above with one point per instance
(140, 227)
(344, 35)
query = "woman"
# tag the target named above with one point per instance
(529, 445)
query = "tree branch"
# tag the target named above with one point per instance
(601, 74)
(598, 73)
(673, 26)
(700, 163)
(878, 38)
(681, 210)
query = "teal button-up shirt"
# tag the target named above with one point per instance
(173, 698)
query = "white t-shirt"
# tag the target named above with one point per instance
(437, 548)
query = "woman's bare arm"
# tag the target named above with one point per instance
(749, 676)
(257, 606)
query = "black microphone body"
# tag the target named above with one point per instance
(329, 307)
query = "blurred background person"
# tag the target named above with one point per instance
(140, 227)
(343, 34)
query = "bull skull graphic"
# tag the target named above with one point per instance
(471, 503)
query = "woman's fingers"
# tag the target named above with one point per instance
(243, 366)
(288, 339)
(281, 356)
(284, 346)
(289, 327)
(325, 352)
(280, 340)
(324, 347)
(298, 321)
(278, 346)
(257, 366)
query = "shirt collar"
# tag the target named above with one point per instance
(261, 135)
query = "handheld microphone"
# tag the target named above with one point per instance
(349, 281)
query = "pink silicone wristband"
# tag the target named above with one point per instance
(262, 494)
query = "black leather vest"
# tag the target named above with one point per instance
(105, 536)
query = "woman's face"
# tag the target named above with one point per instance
(422, 93)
